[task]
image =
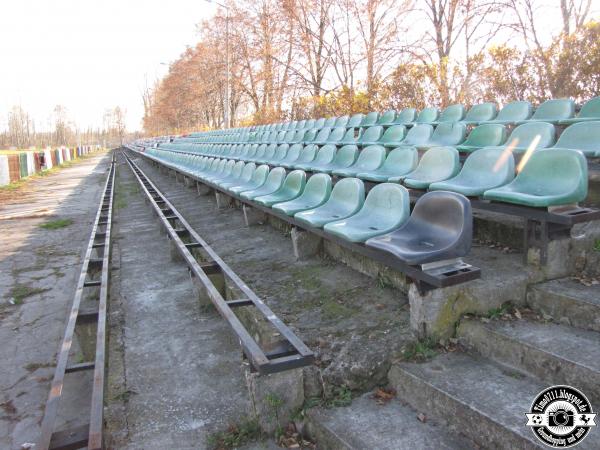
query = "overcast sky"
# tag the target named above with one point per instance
(89, 55)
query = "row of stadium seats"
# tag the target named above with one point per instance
(555, 111)
(584, 136)
(439, 227)
(551, 177)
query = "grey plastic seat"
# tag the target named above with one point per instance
(258, 178)
(553, 111)
(347, 197)
(512, 113)
(440, 228)
(525, 134)
(307, 155)
(316, 192)
(437, 164)
(485, 135)
(370, 136)
(325, 155)
(428, 115)
(355, 121)
(582, 136)
(292, 187)
(551, 177)
(446, 133)
(272, 184)
(370, 120)
(345, 157)
(480, 113)
(399, 162)
(484, 169)
(387, 118)
(590, 111)
(452, 113)
(393, 136)
(369, 160)
(244, 177)
(386, 208)
(406, 117)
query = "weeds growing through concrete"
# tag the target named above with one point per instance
(236, 435)
(597, 245)
(56, 224)
(420, 350)
(20, 292)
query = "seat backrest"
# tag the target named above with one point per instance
(294, 182)
(319, 123)
(581, 136)
(237, 169)
(307, 154)
(449, 133)
(348, 192)
(270, 152)
(371, 157)
(329, 122)
(229, 167)
(385, 203)
(341, 121)
(309, 136)
(248, 171)
(293, 152)
(310, 123)
(323, 134)
(300, 125)
(515, 111)
(281, 136)
(555, 172)
(489, 165)
(355, 120)
(407, 115)
(326, 154)
(346, 156)
(591, 108)
(336, 134)
(452, 113)
(260, 174)
(281, 152)
(349, 136)
(261, 151)
(289, 136)
(487, 134)
(439, 160)
(371, 134)
(481, 112)
(555, 109)
(387, 118)
(318, 188)
(393, 134)
(370, 119)
(527, 132)
(428, 115)
(275, 178)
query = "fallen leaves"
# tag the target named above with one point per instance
(290, 438)
(384, 395)
(586, 281)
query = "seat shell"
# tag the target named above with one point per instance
(325, 155)
(369, 159)
(485, 135)
(481, 113)
(553, 111)
(316, 192)
(445, 134)
(292, 187)
(590, 111)
(437, 164)
(344, 158)
(452, 113)
(272, 184)
(406, 117)
(582, 136)
(525, 134)
(513, 112)
(428, 115)
(399, 161)
(258, 178)
(439, 228)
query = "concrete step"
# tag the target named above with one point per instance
(365, 424)
(484, 400)
(567, 301)
(556, 354)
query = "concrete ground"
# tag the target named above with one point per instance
(38, 273)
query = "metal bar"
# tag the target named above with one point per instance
(260, 362)
(93, 432)
(80, 367)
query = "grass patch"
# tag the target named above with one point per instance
(340, 396)
(56, 224)
(597, 245)
(334, 310)
(32, 367)
(496, 313)
(21, 291)
(236, 435)
(421, 350)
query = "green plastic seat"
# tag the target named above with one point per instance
(310, 123)
(319, 123)
(582, 136)
(386, 208)
(325, 155)
(336, 135)
(445, 134)
(480, 113)
(484, 169)
(428, 115)
(226, 172)
(370, 120)
(551, 177)
(590, 111)
(524, 135)
(347, 197)
(349, 137)
(269, 154)
(292, 187)
(417, 135)
(344, 157)
(370, 136)
(215, 171)
(437, 164)
(513, 112)
(280, 153)
(553, 111)
(307, 155)
(369, 160)
(299, 136)
(292, 155)
(258, 178)
(393, 136)
(235, 174)
(310, 136)
(321, 138)
(399, 161)
(260, 153)
(406, 117)
(452, 113)
(488, 134)
(329, 122)
(355, 121)
(244, 177)
(387, 118)
(272, 184)
(315, 193)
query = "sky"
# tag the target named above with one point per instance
(89, 55)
